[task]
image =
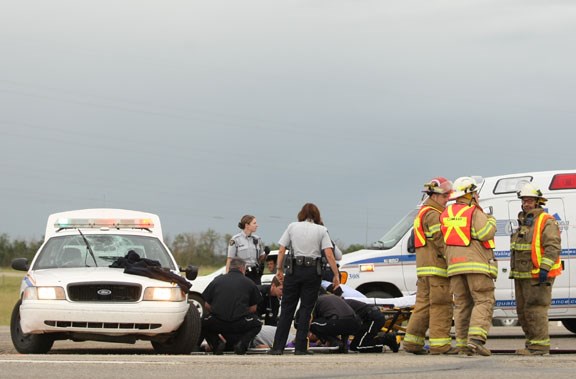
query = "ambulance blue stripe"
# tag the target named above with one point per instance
(387, 259)
(506, 253)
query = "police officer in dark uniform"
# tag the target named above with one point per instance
(269, 307)
(306, 239)
(248, 246)
(333, 317)
(231, 301)
(368, 339)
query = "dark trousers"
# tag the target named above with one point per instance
(241, 330)
(328, 329)
(372, 322)
(303, 284)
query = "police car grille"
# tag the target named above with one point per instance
(104, 292)
(101, 325)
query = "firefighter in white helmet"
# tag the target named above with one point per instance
(469, 236)
(534, 263)
(433, 308)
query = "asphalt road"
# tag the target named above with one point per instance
(103, 360)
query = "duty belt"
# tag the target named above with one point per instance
(305, 261)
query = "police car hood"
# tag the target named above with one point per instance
(64, 276)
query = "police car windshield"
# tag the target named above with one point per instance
(71, 251)
(391, 238)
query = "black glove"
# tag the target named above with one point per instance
(543, 276)
(266, 250)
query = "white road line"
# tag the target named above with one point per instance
(91, 362)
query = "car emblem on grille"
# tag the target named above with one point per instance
(104, 292)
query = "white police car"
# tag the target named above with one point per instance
(70, 292)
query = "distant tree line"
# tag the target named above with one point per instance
(205, 248)
(10, 249)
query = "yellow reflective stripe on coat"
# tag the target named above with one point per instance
(520, 246)
(520, 275)
(472, 267)
(431, 270)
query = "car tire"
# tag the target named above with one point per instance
(505, 322)
(27, 343)
(195, 300)
(570, 324)
(185, 339)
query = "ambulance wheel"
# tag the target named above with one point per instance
(379, 294)
(185, 339)
(27, 343)
(570, 324)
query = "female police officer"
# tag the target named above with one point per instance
(305, 240)
(248, 246)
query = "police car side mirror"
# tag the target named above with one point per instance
(191, 272)
(20, 264)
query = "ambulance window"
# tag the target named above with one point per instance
(563, 181)
(391, 238)
(509, 185)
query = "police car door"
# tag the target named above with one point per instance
(561, 288)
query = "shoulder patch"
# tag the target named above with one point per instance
(232, 242)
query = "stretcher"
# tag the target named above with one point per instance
(397, 310)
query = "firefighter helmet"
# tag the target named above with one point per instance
(438, 185)
(530, 190)
(462, 186)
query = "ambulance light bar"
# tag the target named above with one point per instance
(69, 223)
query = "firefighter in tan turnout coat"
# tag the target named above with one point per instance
(469, 236)
(433, 309)
(534, 263)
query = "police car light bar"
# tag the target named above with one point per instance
(68, 223)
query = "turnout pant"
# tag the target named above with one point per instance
(532, 304)
(473, 306)
(241, 330)
(433, 310)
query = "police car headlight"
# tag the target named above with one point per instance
(164, 294)
(44, 293)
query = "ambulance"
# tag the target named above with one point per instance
(388, 269)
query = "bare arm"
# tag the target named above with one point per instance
(280, 263)
(332, 262)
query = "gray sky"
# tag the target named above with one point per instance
(202, 111)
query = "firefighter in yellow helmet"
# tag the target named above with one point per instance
(433, 309)
(469, 236)
(534, 263)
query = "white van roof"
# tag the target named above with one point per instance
(103, 218)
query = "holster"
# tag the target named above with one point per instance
(289, 264)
